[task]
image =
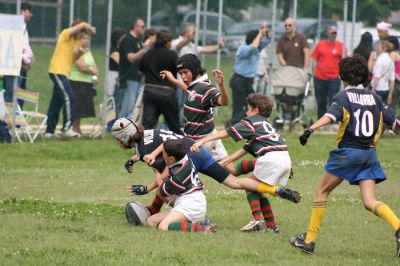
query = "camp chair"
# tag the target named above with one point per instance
(22, 128)
(34, 118)
(109, 115)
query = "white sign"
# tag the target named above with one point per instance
(11, 31)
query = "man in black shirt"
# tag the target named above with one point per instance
(131, 51)
(159, 96)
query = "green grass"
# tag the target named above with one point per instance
(62, 202)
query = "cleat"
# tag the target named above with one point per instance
(398, 242)
(299, 242)
(210, 228)
(253, 226)
(273, 229)
(289, 194)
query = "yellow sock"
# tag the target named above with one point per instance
(317, 214)
(383, 211)
(265, 188)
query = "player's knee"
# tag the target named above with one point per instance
(368, 205)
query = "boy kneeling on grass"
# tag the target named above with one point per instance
(182, 182)
(273, 163)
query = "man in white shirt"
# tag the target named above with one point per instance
(184, 43)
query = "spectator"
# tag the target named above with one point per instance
(383, 29)
(327, 54)
(27, 57)
(151, 35)
(131, 51)
(246, 62)
(395, 56)
(5, 122)
(117, 35)
(292, 47)
(383, 74)
(261, 80)
(159, 96)
(84, 76)
(184, 43)
(365, 49)
(68, 50)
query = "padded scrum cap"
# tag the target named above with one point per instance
(123, 129)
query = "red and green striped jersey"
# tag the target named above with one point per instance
(182, 179)
(200, 99)
(260, 135)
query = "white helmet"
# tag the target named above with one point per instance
(123, 129)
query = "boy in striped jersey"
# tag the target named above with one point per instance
(182, 182)
(273, 163)
(200, 99)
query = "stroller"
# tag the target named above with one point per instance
(290, 87)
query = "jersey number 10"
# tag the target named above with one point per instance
(365, 124)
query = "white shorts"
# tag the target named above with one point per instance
(216, 148)
(193, 206)
(273, 168)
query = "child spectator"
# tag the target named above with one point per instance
(273, 165)
(182, 182)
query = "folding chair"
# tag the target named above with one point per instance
(34, 118)
(109, 115)
(21, 124)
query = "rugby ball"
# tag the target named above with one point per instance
(136, 213)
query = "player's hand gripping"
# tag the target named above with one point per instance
(196, 146)
(304, 137)
(149, 159)
(138, 189)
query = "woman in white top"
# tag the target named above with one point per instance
(383, 73)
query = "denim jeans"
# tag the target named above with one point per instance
(129, 96)
(324, 92)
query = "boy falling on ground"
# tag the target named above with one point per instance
(182, 182)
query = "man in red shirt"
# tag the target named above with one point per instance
(327, 54)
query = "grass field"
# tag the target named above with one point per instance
(62, 202)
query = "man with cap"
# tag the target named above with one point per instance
(27, 57)
(326, 57)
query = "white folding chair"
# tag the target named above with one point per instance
(22, 128)
(34, 118)
(109, 115)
